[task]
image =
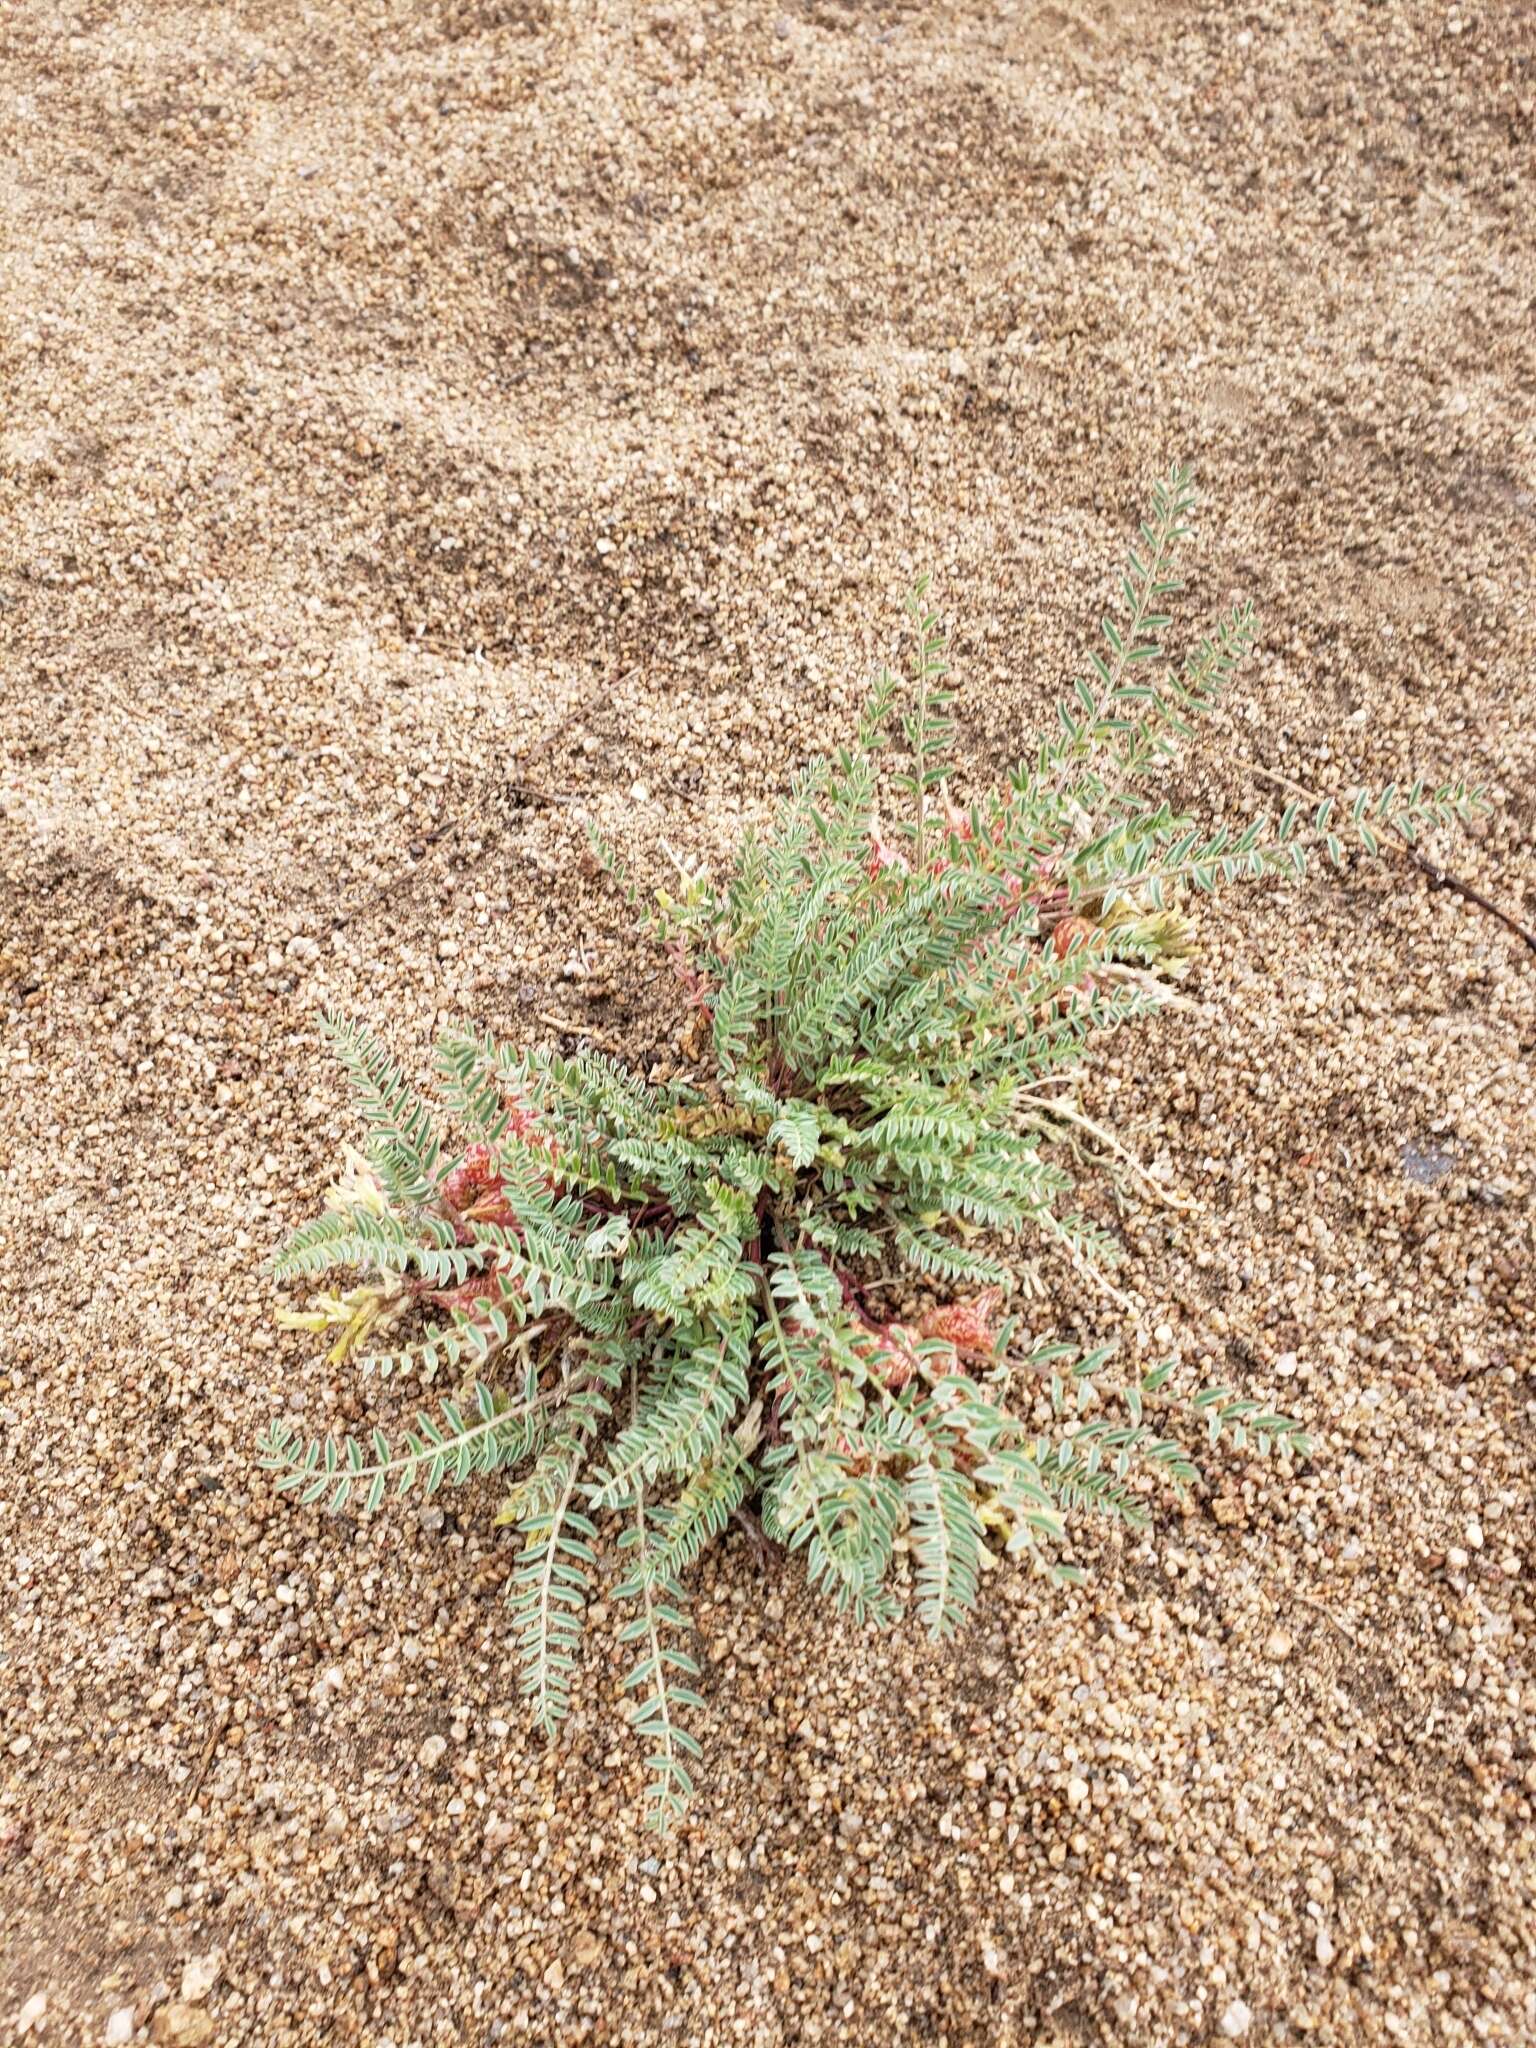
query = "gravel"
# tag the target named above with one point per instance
(428, 430)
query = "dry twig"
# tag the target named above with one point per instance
(574, 1030)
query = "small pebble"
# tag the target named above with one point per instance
(199, 1976)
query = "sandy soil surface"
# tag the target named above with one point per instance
(427, 425)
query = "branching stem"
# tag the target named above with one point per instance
(1439, 877)
(1063, 1112)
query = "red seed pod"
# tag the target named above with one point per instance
(967, 1325)
(1074, 932)
(882, 854)
(470, 1293)
(523, 1124)
(958, 821)
(884, 1349)
(474, 1189)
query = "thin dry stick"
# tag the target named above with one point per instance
(221, 1721)
(1439, 877)
(1442, 878)
(575, 1030)
(1067, 1113)
(1330, 1617)
(536, 793)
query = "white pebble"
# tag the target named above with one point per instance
(199, 1975)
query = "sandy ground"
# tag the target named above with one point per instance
(427, 425)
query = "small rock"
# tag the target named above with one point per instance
(585, 1950)
(179, 2025)
(31, 2014)
(1077, 1791)
(1278, 1646)
(200, 1975)
(1324, 1947)
(119, 2027)
(432, 1752)
(1236, 2020)
(1285, 1365)
(1425, 1163)
(850, 1825)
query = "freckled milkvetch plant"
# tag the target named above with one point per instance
(657, 1301)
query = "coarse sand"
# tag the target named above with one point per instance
(426, 427)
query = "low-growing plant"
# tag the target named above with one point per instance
(659, 1299)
